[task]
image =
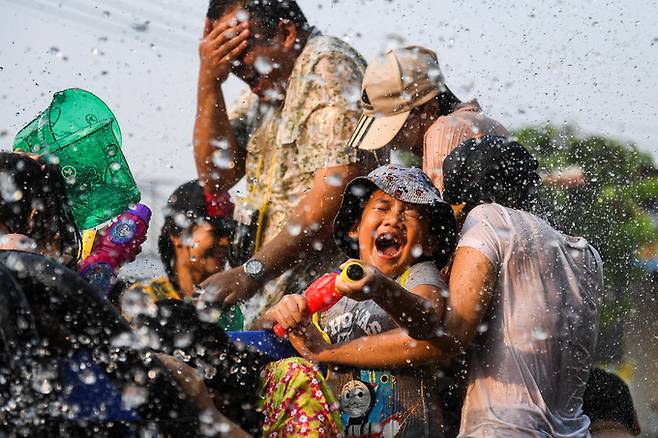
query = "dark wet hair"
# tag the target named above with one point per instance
(267, 13)
(491, 169)
(186, 208)
(607, 398)
(34, 203)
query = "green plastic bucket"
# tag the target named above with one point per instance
(80, 133)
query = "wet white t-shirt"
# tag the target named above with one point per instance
(530, 365)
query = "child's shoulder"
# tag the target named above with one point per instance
(423, 273)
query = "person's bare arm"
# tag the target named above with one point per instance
(313, 217)
(220, 45)
(394, 348)
(196, 391)
(472, 283)
(391, 349)
(418, 312)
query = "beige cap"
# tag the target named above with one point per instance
(393, 84)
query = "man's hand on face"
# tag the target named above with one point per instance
(222, 43)
(227, 288)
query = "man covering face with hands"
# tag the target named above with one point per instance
(287, 134)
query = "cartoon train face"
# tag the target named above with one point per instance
(356, 399)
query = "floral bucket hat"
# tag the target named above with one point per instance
(407, 184)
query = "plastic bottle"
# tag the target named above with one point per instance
(116, 245)
(322, 294)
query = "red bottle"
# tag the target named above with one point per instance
(322, 294)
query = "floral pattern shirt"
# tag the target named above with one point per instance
(287, 144)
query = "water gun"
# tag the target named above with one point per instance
(116, 245)
(322, 294)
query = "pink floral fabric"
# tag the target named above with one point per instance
(297, 402)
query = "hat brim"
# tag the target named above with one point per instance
(376, 132)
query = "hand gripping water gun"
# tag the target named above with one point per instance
(117, 244)
(322, 294)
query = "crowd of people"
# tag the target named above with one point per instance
(475, 317)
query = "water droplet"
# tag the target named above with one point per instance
(8, 188)
(224, 427)
(87, 376)
(133, 396)
(358, 190)
(242, 15)
(394, 41)
(335, 180)
(209, 372)
(41, 380)
(205, 310)
(219, 143)
(52, 159)
(182, 340)
(352, 94)
(181, 355)
(273, 95)
(141, 27)
(181, 220)
(294, 229)
(434, 74)
(22, 323)
(417, 251)
(136, 302)
(223, 159)
(58, 53)
(262, 65)
(539, 334)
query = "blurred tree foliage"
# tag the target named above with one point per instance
(611, 207)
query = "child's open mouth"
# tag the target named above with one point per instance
(388, 245)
